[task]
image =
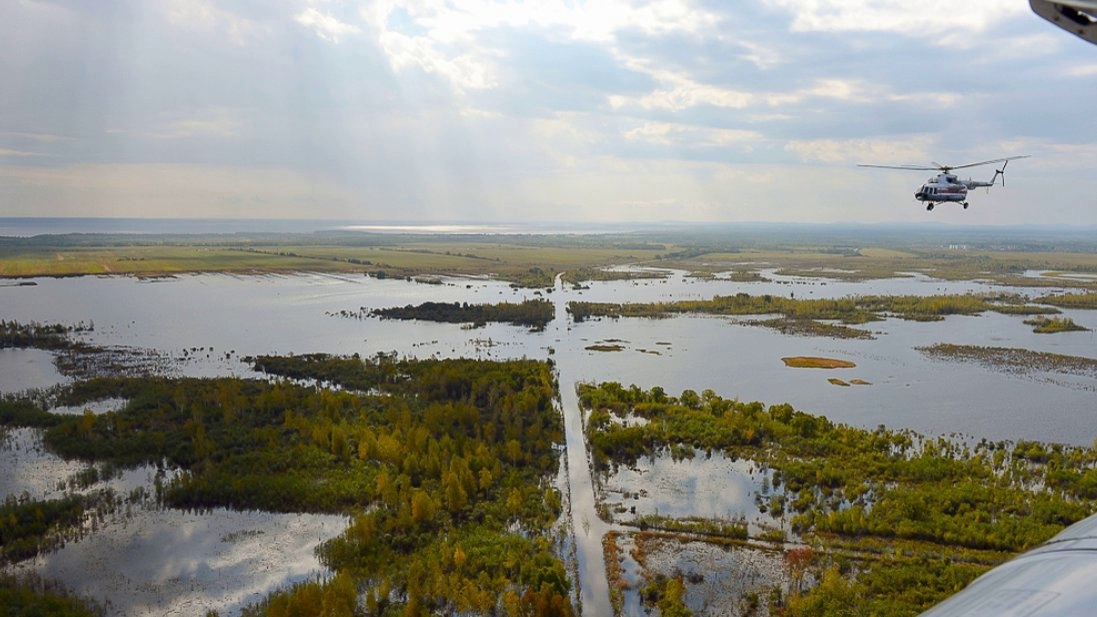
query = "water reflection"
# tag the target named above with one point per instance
(27, 468)
(705, 486)
(159, 562)
(25, 369)
(720, 577)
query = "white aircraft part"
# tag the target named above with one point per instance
(1055, 579)
(1078, 17)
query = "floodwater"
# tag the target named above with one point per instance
(28, 470)
(209, 322)
(163, 561)
(719, 578)
(705, 486)
(26, 369)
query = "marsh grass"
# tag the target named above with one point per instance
(816, 362)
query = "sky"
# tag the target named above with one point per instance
(498, 111)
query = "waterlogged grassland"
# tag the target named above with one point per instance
(942, 511)
(529, 265)
(845, 262)
(1013, 360)
(531, 260)
(578, 276)
(810, 327)
(857, 262)
(1071, 300)
(804, 316)
(444, 468)
(154, 261)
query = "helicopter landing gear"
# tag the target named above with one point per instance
(929, 208)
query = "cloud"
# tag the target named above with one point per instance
(682, 93)
(8, 152)
(679, 94)
(1081, 70)
(498, 109)
(324, 25)
(927, 19)
(468, 71)
(447, 37)
(177, 190)
(909, 149)
(210, 123)
(666, 133)
(208, 17)
(37, 137)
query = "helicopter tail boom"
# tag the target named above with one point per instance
(971, 184)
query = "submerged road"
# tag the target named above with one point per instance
(587, 527)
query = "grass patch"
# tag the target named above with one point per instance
(838, 382)
(605, 347)
(816, 362)
(1043, 325)
(810, 327)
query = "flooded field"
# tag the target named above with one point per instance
(703, 486)
(207, 323)
(719, 580)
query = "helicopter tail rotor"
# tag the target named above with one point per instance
(999, 172)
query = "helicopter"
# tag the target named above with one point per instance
(946, 186)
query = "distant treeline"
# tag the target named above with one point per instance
(533, 314)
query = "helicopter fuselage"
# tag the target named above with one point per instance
(947, 187)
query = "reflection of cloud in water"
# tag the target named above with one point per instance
(26, 466)
(717, 577)
(163, 561)
(714, 487)
(22, 369)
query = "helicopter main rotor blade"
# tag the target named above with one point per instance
(1006, 159)
(906, 167)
